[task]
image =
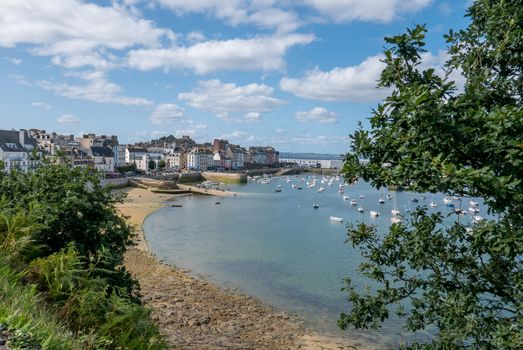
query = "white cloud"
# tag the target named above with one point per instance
(234, 12)
(70, 29)
(165, 114)
(318, 114)
(365, 10)
(224, 98)
(195, 37)
(13, 60)
(97, 89)
(353, 83)
(252, 117)
(19, 79)
(358, 83)
(42, 105)
(261, 53)
(68, 119)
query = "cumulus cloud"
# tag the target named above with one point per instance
(261, 53)
(42, 105)
(13, 60)
(358, 83)
(165, 114)
(318, 114)
(224, 98)
(68, 119)
(354, 83)
(97, 89)
(252, 117)
(365, 10)
(73, 32)
(234, 12)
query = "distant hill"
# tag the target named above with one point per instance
(311, 156)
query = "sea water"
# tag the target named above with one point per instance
(276, 247)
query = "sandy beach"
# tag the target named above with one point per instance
(195, 314)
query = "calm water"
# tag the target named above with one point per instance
(278, 248)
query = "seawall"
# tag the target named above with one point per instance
(224, 177)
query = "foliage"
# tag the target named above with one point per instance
(26, 321)
(127, 168)
(70, 206)
(152, 165)
(430, 136)
(161, 164)
(61, 249)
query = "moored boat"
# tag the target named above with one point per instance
(374, 213)
(336, 219)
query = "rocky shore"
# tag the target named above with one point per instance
(195, 314)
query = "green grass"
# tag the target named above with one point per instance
(22, 311)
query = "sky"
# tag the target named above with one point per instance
(295, 74)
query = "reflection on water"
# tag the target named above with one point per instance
(278, 248)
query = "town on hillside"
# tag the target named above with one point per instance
(24, 150)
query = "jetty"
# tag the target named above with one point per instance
(208, 191)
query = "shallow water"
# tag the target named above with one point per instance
(278, 248)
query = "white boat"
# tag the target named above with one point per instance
(315, 206)
(389, 197)
(395, 220)
(381, 200)
(336, 219)
(395, 212)
(447, 201)
(362, 196)
(414, 199)
(474, 209)
(321, 189)
(361, 210)
(433, 204)
(293, 185)
(353, 202)
(345, 198)
(374, 213)
(473, 203)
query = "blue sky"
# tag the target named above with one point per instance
(297, 75)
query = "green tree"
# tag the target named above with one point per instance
(70, 206)
(465, 280)
(161, 164)
(152, 165)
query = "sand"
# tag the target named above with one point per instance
(194, 314)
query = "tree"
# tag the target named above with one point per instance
(430, 136)
(152, 165)
(161, 164)
(70, 207)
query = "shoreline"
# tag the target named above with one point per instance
(195, 314)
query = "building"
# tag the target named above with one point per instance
(138, 157)
(119, 155)
(236, 154)
(18, 150)
(200, 159)
(102, 158)
(314, 163)
(175, 158)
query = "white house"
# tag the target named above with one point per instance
(103, 158)
(200, 159)
(138, 157)
(15, 150)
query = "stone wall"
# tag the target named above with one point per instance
(224, 177)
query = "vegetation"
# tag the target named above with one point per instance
(61, 250)
(429, 135)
